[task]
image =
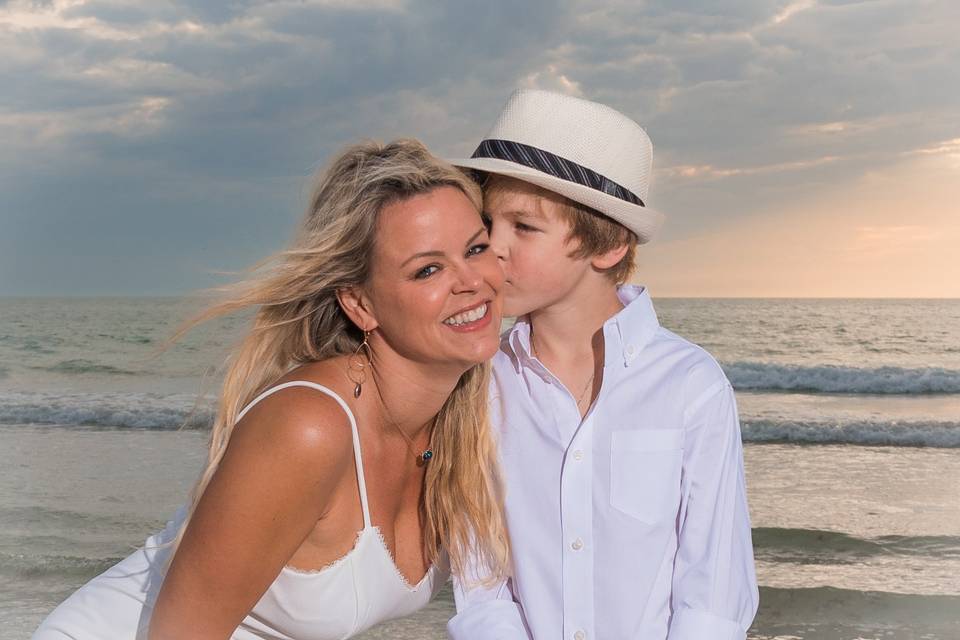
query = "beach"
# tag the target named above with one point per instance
(850, 413)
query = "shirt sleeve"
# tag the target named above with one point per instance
(486, 613)
(715, 594)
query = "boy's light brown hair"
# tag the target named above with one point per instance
(593, 232)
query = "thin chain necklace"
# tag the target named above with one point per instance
(589, 385)
(424, 456)
(354, 371)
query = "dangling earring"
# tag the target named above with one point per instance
(357, 368)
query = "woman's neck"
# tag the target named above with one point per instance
(407, 394)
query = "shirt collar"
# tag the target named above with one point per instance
(518, 340)
(625, 333)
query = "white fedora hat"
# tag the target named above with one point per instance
(583, 150)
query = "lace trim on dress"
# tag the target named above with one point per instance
(332, 565)
(393, 563)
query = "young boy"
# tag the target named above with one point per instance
(619, 440)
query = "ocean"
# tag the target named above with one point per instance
(850, 412)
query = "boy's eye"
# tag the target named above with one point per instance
(477, 249)
(523, 227)
(426, 272)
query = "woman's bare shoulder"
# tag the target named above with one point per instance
(278, 477)
(298, 420)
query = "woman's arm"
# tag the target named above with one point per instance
(274, 482)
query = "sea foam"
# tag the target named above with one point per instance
(864, 432)
(759, 376)
(131, 410)
(173, 411)
(815, 546)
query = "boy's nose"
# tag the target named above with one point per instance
(497, 244)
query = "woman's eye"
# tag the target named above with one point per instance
(426, 272)
(477, 249)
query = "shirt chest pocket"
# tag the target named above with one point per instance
(645, 470)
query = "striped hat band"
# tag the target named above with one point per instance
(554, 165)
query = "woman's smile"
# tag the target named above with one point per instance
(471, 319)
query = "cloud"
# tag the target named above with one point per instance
(709, 171)
(948, 147)
(892, 232)
(791, 10)
(893, 240)
(195, 125)
(551, 79)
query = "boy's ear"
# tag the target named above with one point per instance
(608, 259)
(357, 307)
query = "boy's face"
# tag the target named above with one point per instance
(531, 242)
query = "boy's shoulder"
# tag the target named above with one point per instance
(695, 368)
(666, 355)
(666, 340)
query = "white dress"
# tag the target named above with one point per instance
(345, 598)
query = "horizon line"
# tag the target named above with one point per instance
(654, 296)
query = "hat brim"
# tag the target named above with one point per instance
(643, 221)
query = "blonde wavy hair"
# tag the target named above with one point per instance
(299, 320)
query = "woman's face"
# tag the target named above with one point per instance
(434, 284)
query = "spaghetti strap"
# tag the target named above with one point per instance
(353, 426)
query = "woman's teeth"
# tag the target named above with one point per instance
(467, 316)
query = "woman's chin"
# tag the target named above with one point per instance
(478, 344)
(483, 352)
(487, 354)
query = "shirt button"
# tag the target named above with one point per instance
(630, 349)
(580, 635)
(577, 544)
(578, 455)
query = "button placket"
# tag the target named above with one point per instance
(577, 522)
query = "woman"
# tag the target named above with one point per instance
(351, 442)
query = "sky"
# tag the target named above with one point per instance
(802, 148)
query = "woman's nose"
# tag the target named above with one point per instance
(469, 279)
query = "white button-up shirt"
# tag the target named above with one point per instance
(632, 522)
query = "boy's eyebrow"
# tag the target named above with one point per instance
(440, 254)
(530, 213)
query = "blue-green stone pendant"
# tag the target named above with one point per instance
(424, 457)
